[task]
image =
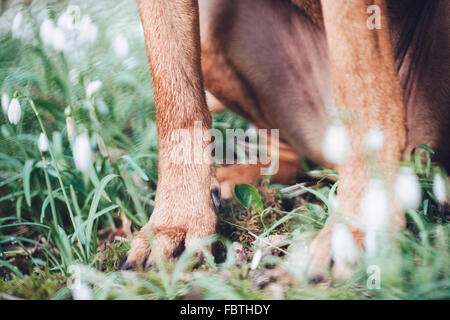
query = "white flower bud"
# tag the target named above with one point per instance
(120, 46)
(336, 144)
(82, 153)
(58, 39)
(42, 143)
(14, 111)
(256, 259)
(46, 31)
(375, 140)
(65, 21)
(375, 214)
(375, 209)
(16, 25)
(93, 87)
(343, 246)
(81, 291)
(5, 102)
(88, 31)
(407, 189)
(440, 188)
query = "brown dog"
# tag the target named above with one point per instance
(284, 64)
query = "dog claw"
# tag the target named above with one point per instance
(125, 266)
(316, 279)
(215, 196)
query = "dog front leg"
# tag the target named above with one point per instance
(366, 86)
(184, 211)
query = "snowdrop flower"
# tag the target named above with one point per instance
(58, 39)
(14, 111)
(439, 188)
(81, 291)
(375, 210)
(82, 153)
(120, 46)
(5, 102)
(65, 22)
(336, 144)
(375, 140)
(42, 143)
(375, 213)
(407, 189)
(16, 27)
(88, 31)
(46, 31)
(343, 246)
(256, 259)
(93, 87)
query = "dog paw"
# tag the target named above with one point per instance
(182, 218)
(137, 256)
(334, 252)
(320, 258)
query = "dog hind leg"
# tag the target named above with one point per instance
(366, 85)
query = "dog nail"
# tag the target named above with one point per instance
(125, 266)
(316, 279)
(215, 196)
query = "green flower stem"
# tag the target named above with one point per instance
(50, 194)
(55, 163)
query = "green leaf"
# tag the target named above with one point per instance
(135, 167)
(94, 179)
(12, 268)
(99, 190)
(248, 196)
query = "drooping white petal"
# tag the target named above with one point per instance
(81, 291)
(46, 31)
(343, 246)
(14, 111)
(375, 215)
(58, 39)
(88, 31)
(120, 46)
(375, 140)
(440, 188)
(256, 259)
(336, 145)
(66, 22)
(407, 189)
(42, 143)
(375, 210)
(5, 102)
(16, 25)
(93, 87)
(82, 152)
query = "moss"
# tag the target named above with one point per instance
(112, 255)
(37, 286)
